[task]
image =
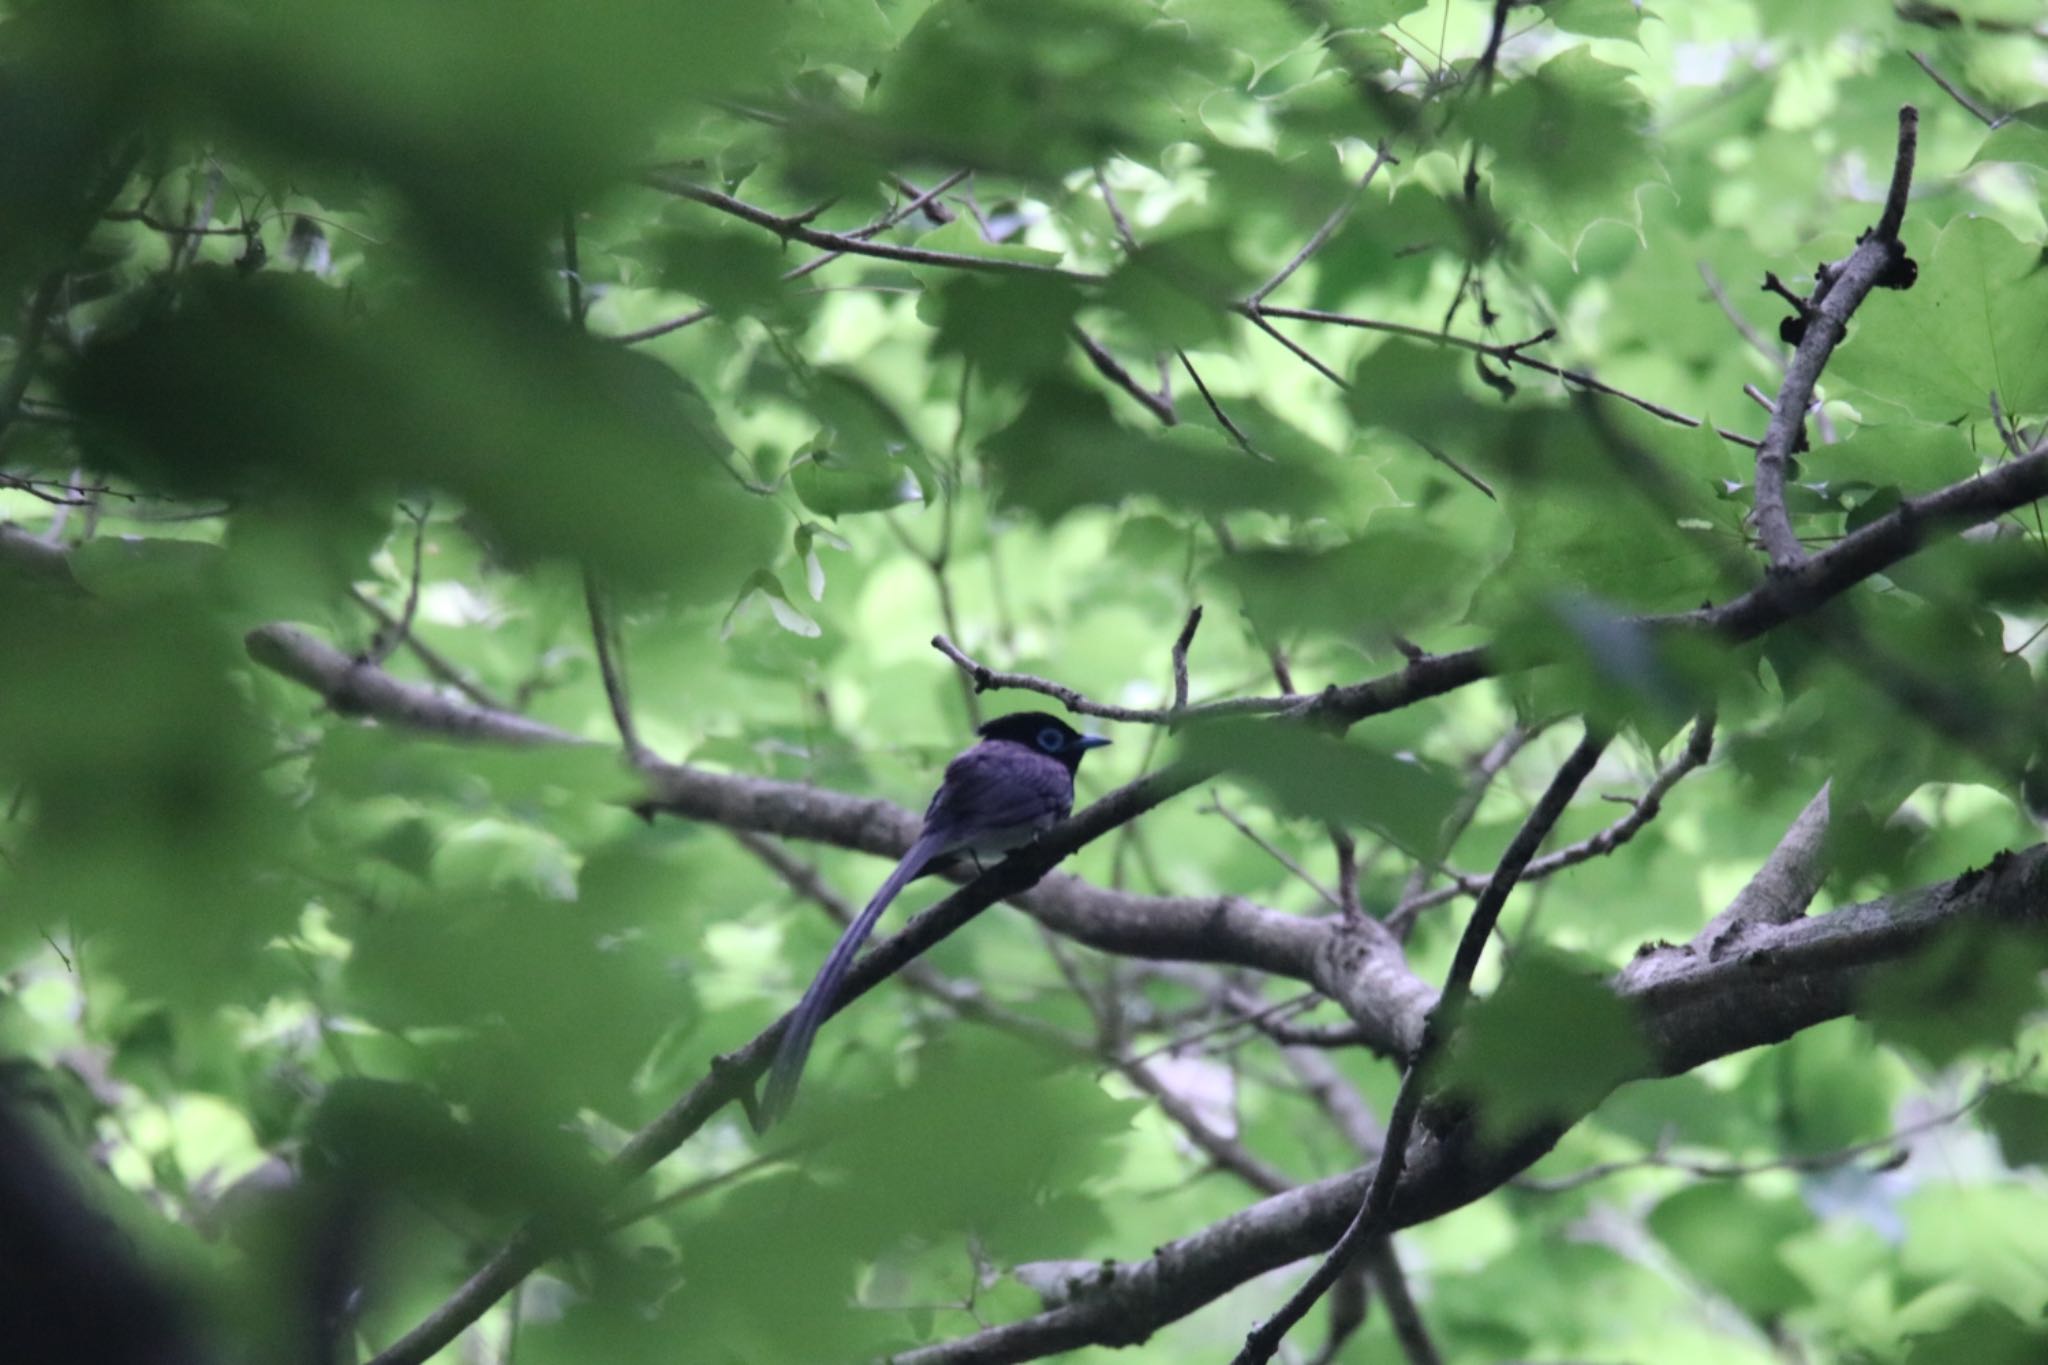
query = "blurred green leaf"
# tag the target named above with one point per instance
(1505, 1056)
(2020, 136)
(1596, 18)
(1319, 778)
(1966, 991)
(1989, 1334)
(1066, 450)
(1570, 144)
(565, 446)
(1177, 292)
(1397, 577)
(1011, 327)
(2019, 1119)
(1731, 1240)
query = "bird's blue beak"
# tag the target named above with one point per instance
(1092, 741)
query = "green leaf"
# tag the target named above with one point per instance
(1014, 327)
(1319, 778)
(962, 237)
(834, 483)
(1730, 1239)
(561, 444)
(735, 272)
(1177, 292)
(1398, 577)
(2019, 1119)
(1569, 144)
(2021, 136)
(1067, 450)
(1510, 1057)
(1965, 992)
(1596, 18)
(1988, 1334)
(1912, 459)
(1976, 321)
(138, 569)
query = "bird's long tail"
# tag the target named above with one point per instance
(810, 1012)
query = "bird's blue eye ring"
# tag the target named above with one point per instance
(1051, 740)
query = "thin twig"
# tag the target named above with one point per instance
(1116, 214)
(791, 229)
(1381, 157)
(1508, 353)
(1293, 1004)
(1406, 1319)
(662, 329)
(1346, 850)
(1112, 370)
(1301, 353)
(1460, 816)
(1976, 110)
(1181, 644)
(1763, 345)
(436, 663)
(613, 670)
(386, 640)
(683, 1194)
(1278, 855)
(880, 225)
(28, 345)
(572, 271)
(1447, 462)
(1736, 1170)
(986, 679)
(1216, 409)
(1369, 1224)
(1642, 810)
(2008, 430)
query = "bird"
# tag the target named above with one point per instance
(998, 795)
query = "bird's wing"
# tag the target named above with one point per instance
(998, 788)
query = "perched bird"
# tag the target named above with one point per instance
(999, 795)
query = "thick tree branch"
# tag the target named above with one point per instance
(1787, 978)
(1785, 885)
(355, 688)
(1686, 1025)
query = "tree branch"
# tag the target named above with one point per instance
(986, 679)
(1838, 292)
(613, 670)
(1370, 1223)
(355, 688)
(792, 228)
(1642, 810)
(1785, 885)
(1789, 978)
(1381, 156)
(1507, 353)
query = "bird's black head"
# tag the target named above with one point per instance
(1048, 734)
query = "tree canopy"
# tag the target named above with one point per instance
(507, 508)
